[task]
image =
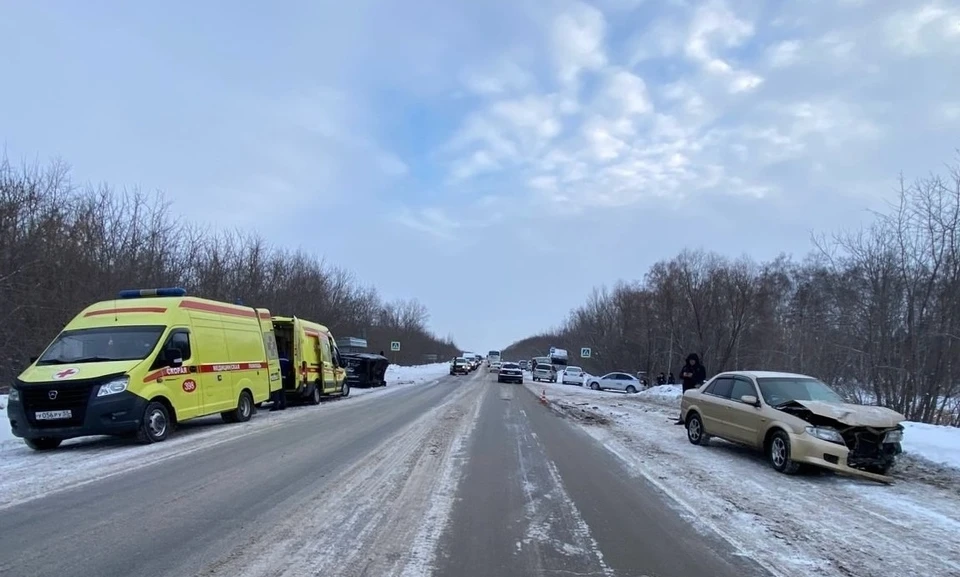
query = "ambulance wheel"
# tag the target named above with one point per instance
(43, 443)
(314, 398)
(243, 412)
(345, 389)
(155, 425)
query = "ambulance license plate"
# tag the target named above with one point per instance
(52, 415)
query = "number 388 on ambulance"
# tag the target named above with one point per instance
(142, 363)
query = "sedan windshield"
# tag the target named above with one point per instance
(510, 366)
(102, 344)
(780, 390)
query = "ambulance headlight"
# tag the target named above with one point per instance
(113, 387)
(14, 395)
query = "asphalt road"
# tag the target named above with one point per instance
(186, 515)
(353, 490)
(540, 497)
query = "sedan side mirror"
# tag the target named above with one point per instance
(750, 400)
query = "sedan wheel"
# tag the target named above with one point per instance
(695, 432)
(779, 454)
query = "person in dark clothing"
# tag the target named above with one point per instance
(671, 380)
(661, 379)
(278, 397)
(692, 375)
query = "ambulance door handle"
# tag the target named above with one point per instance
(219, 377)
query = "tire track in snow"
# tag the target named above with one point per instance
(369, 521)
(552, 516)
(26, 475)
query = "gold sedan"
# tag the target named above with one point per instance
(796, 420)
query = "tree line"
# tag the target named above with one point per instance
(874, 311)
(63, 247)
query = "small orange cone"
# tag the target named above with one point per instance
(543, 396)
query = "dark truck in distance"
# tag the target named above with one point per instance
(366, 369)
(459, 366)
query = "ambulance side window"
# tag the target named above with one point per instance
(178, 340)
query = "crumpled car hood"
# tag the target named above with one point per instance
(856, 415)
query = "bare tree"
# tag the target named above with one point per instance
(874, 311)
(62, 248)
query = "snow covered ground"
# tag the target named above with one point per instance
(26, 474)
(814, 524)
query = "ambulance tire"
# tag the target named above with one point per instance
(314, 398)
(43, 443)
(345, 389)
(155, 425)
(243, 412)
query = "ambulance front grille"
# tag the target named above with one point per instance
(73, 397)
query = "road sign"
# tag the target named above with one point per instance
(394, 346)
(585, 352)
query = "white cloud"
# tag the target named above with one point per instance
(578, 41)
(715, 27)
(508, 132)
(711, 100)
(743, 81)
(628, 93)
(431, 220)
(663, 38)
(924, 29)
(950, 111)
(784, 54)
(504, 76)
(478, 162)
(603, 145)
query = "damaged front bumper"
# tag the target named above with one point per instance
(811, 450)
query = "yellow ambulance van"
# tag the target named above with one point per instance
(142, 363)
(310, 362)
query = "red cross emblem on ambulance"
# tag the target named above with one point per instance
(65, 373)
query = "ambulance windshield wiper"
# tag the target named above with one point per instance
(93, 360)
(80, 360)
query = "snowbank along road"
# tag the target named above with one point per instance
(812, 524)
(455, 476)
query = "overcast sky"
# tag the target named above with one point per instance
(498, 158)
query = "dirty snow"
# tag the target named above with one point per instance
(552, 517)
(830, 525)
(385, 518)
(935, 443)
(26, 474)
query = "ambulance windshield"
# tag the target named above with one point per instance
(102, 344)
